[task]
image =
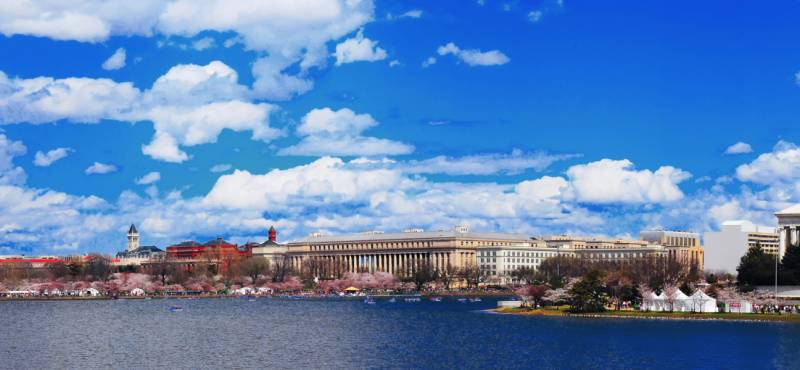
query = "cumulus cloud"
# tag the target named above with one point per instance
(220, 168)
(287, 32)
(189, 105)
(328, 132)
(782, 165)
(535, 16)
(149, 178)
(46, 159)
(98, 168)
(358, 49)
(474, 57)
(739, 148)
(115, 61)
(428, 62)
(333, 195)
(203, 43)
(617, 181)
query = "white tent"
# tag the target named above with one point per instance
(244, 291)
(677, 302)
(264, 290)
(137, 292)
(652, 302)
(91, 292)
(701, 302)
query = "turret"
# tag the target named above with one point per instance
(133, 239)
(273, 234)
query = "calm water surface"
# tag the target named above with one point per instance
(340, 334)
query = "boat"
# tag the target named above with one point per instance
(176, 309)
(436, 299)
(413, 299)
(392, 300)
(462, 300)
(251, 300)
(476, 299)
(369, 300)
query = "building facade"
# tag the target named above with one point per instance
(399, 253)
(596, 249)
(725, 248)
(135, 254)
(499, 262)
(681, 246)
(788, 228)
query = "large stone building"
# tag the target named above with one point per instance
(788, 228)
(499, 262)
(135, 254)
(725, 248)
(398, 253)
(596, 249)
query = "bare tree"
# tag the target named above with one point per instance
(255, 267)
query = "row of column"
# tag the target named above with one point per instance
(392, 262)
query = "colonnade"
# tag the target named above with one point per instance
(393, 263)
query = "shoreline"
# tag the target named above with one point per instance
(671, 316)
(219, 296)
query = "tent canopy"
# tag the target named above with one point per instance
(352, 289)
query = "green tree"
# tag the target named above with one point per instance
(755, 268)
(589, 293)
(790, 266)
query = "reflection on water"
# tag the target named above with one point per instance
(278, 333)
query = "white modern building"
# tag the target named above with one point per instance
(725, 248)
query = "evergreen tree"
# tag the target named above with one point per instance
(756, 268)
(790, 266)
(589, 294)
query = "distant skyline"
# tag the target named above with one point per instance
(197, 119)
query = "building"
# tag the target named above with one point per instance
(681, 246)
(597, 249)
(498, 262)
(271, 249)
(725, 248)
(788, 228)
(135, 254)
(213, 249)
(398, 253)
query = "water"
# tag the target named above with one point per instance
(341, 334)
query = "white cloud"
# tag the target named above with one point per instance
(10, 174)
(115, 61)
(535, 16)
(286, 31)
(328, 132)
(46, 159)
(220, 168)
(358, 49)
(98, 168)
(610, 181)
(203, 43)
(395, 63)
(482, 164)
(474, 57)
(45, 99)
(428, 62)
(782, 164)
(189, 105)
(739, 148)
(149, 178)
(416, 13)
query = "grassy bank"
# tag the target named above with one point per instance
(562, 311)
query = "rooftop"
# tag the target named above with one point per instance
(416, 235)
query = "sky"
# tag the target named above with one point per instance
(198, 119)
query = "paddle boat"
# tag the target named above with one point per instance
(462, 300)
(369, 300)
(436, 299)
(476, 299)
(176, 309)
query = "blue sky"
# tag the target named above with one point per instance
(537, 117)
